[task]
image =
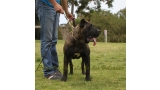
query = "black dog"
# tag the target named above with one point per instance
(76, 46)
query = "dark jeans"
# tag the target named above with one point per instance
(49, 21)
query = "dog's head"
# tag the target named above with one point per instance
(89, 31)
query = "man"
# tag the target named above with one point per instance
(48, 12)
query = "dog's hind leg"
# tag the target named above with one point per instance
(71, 67)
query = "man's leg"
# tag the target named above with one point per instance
(54, 42)
(47, 18)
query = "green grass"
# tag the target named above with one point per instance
(108, 69)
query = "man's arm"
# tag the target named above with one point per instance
(65, 7)
(56, 6)
(59, 8)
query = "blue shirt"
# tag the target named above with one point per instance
(48, 2)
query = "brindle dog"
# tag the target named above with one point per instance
(76, 46)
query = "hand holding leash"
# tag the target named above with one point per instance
(71, 17)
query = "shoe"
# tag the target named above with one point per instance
(58, 72)
(56, 75)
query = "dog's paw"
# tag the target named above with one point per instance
(64, 79)
(83, 73)
(70, 73)
(88, 79)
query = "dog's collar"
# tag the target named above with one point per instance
(73, 35)
(76, 38)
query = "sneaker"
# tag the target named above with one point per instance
(58, 72)
(56, 75)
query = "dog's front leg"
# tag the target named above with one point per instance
(65, 69)
(87, 64)
(82, 67)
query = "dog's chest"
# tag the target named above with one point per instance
(76, 56)
(79, 48)
(78, 51)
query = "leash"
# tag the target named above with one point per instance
(43, 56)
(70, 21)
(72, 26)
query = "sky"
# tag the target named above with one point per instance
(117, 5)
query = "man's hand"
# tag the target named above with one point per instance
(69, 16)
(58, 8)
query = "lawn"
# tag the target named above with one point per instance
(108, 69)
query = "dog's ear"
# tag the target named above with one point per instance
(82, 23)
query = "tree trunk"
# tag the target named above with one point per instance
(72, 9)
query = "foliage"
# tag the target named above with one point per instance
(84, 4)
(115, 24)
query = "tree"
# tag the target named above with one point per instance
(84, 5)
(81, 5)
(115, 25)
